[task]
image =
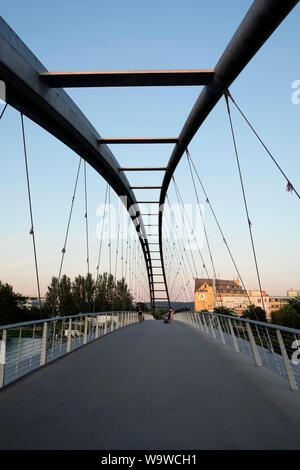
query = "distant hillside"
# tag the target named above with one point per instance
(175, 305)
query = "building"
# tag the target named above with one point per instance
(210, 293)
(293, 292)
(34, 302)
(230, 294)
(277, 301)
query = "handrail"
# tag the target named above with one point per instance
(274, 346)
(59, 317)
(27, 346)
(255, 322)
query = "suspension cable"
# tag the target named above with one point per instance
(109, 246)
(86, 221)
(3, 111)
(63, 251)
(31, 213)
(182, 247)
(289, 187)
(193, 233)
(202, 218)
(101, 236)
(219, 227)
(100, 245)
(118, 238)
(245, 200)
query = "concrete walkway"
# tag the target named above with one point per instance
(151, 386)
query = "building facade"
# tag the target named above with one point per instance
(210, 293)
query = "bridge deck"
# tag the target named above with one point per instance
(151, 386)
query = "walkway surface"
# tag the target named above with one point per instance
(151, 386)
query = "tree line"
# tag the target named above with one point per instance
(287, 315)
(66, 297)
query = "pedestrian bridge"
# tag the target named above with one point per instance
(154, 386)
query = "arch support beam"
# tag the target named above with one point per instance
(54, 110)
(263, 17)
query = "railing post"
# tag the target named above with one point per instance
(196, 320)
(69, 336)
(85, 330)
(111, 323)
(3, 357)
(200, 322)
(212, 328)
(105, 324)
(236, 347)
(206, 327)
(43, 358)
(286, 361)
(253, 345)
(221, 331)
(97, 327)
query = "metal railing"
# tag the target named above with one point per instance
(273, 346)
(29, 345)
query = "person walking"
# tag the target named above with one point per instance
(140, 313)
(171, 315)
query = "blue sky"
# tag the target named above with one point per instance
(97, 35)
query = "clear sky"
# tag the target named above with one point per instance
(98, 35)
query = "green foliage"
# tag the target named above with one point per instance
(85, 295)
(143, 306)
(10, 305)
(12, 309)
(224, 311)
(254, 313)
(288, 315)
(159, 313)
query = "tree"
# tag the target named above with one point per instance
(255, 313)
(224, 311)
(65, 297)
(51, 295)
(143, 306)
(100, 298)
(11, 310)
(79, 294)
(288, 315)
(60, 295)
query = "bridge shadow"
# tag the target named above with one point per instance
(151, 386)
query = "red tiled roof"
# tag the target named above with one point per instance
(222, 285)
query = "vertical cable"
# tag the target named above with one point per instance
(290, 187)
(3, 111)
(245, 200)
(100, 245)
(220, 228)
(109, 246)
(63, 251)
(31, 213)
(86, 221)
